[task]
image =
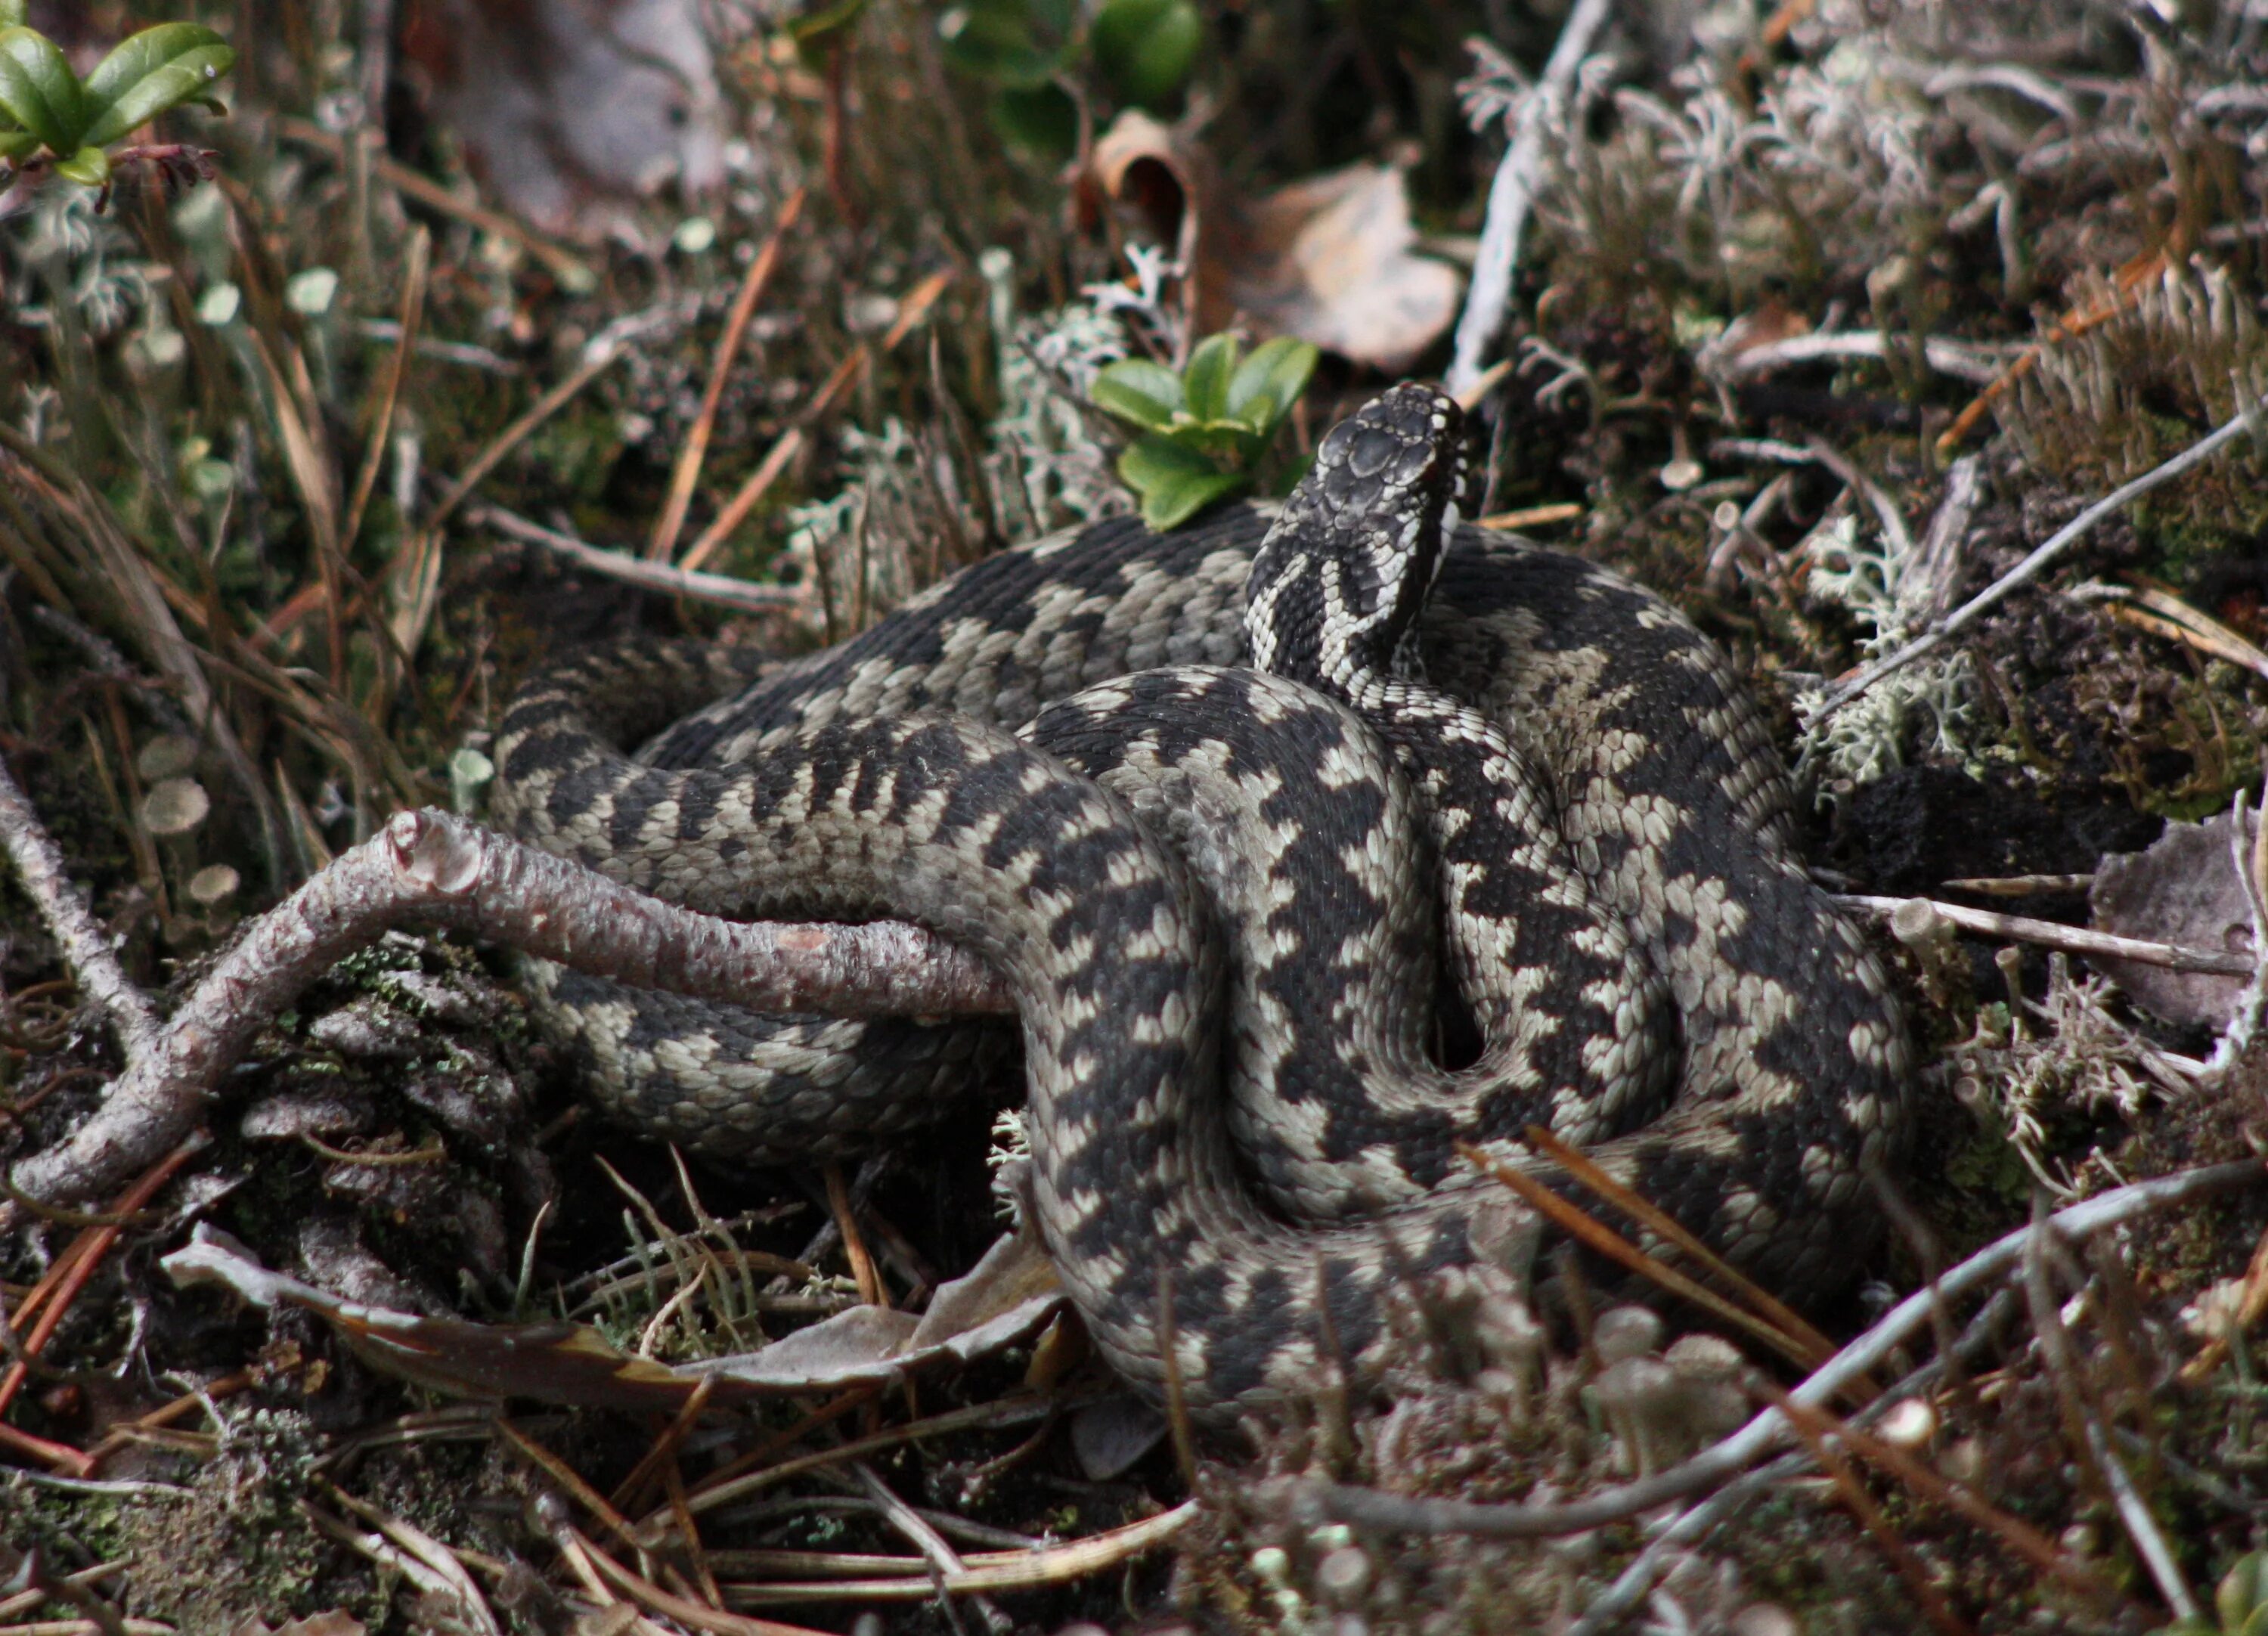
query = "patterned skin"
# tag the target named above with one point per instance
(1590, 781)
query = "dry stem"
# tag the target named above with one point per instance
(444, 871)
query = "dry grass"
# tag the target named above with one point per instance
(245, 545)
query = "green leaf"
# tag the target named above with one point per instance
(1229, 442)
(1014, 45)
(15, 145)
(2243, 1592)
(1043, 120)
(90, 165)
(158, 69)
(1146, 48)
(1149, 394)
(1270, 382)
(1176, 482)
(40, 91)
(1206, 381)
(13, 14)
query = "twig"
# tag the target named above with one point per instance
(450, 1582)
(1371, 1508)
(2168, 615)
(413, 311)
(686, 477)
(714, 1492)
(915, 303)
(1571, 1219)
(52, 1297)
(2052, 934)
(1532, 516)
(871, 1291)
(1933, 1605)
(570, 271)
(2129, 279)
(2024, 572)
(1608, 1608)
(661, 578)
(1959, 358)
(1660, 1221)
(434, 869)
(2134, 1513)
(600, 354)
(464, 354)
(2018, 1536)
(86, 946)
(944, 1561)
(1696, 1522)
(2017, 886)
(656, 1600)
(996, 1572)
(1512, 196)
(1885, 509)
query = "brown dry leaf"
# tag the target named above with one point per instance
(556, 1363)
(1329, 258)
(572, 111)
(1009, 1293)
(2184, 889)
(1006, 1296)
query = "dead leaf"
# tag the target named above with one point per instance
(1109, 1434)
(1328, 260)
(2183, 889)
(572, 111)
(556, 1363)
(1006, 1296)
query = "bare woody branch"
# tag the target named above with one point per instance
(1366, 1508)
(2247, 418)
(430, 869)
(1512, 196)
(86, 946)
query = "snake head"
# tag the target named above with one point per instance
(1337, 585)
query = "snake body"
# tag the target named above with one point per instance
(1239, 1141)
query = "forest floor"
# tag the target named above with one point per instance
(1825, 318)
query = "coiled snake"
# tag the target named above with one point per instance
(1215, 893)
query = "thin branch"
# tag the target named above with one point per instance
(573, 273)
(661, 578)
(686, 477)
(86, 945)
(1512, 196)
(2053, 934)
(433, 869)
(2063, 1366)
(994, 1571)
(2024, 573)
(944, 1561)
(600, 354)
(1961, 359)
(1366, 1508)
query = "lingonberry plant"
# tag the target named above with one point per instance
(1207, 430)
(54, 122)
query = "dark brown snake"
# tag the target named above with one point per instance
(1221, 895)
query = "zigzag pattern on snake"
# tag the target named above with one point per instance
(877, 779)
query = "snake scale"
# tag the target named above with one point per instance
(1221, 895)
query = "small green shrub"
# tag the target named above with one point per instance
(49, 116)
(1206, 431)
